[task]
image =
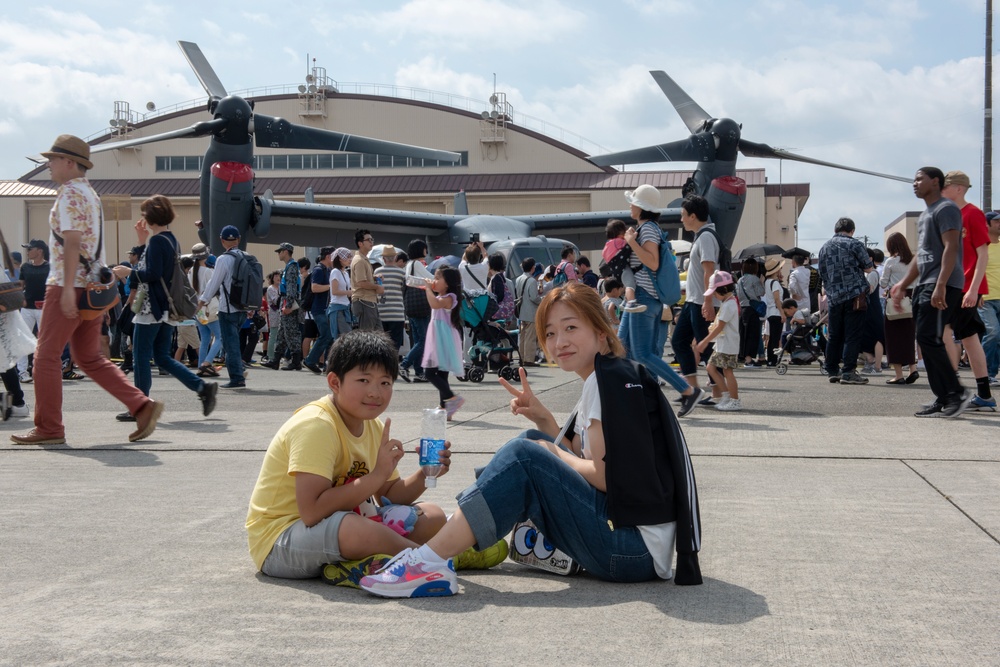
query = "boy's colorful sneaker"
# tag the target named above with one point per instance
(408, 576)
(634, 307)
(470, 559)
(349, 572)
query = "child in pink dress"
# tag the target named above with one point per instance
(443, 345)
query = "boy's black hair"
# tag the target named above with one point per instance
(402, 257)
(304, 263)
(528, 264)
(789, 303)
(612, 284)
(567, 251)
(363, 349)
(583, 261)
(725, 289)
(697, 206)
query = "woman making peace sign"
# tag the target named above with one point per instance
(605, 504)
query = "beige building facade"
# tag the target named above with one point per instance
(506, 170)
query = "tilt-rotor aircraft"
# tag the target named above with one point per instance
(227, 176)
(713, 144)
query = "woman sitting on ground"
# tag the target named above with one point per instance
(615, 506)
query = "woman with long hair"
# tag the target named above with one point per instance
(339, 309)
(900, 334)
(594, 487)
(273, 298)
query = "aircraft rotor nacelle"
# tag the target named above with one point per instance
(231, 202)
(726, 197)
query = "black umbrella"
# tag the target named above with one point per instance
(796, 251)
(758, 250)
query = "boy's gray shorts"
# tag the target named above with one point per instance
(301, 552)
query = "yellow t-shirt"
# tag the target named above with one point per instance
(993, 271)
(313, 440)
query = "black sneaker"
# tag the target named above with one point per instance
(404, 374)
(420, 378)
(689, 402)
(834, 379)
(313, 367)
(234, 384)
(707, 401)
(956, 405)
(930, 410)
(125, 417)
(207, 396)
(853, 378)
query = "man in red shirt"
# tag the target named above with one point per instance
(968, 325)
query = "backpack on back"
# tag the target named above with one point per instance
(181, 297)
(725, 262)
(560, 278)
(247, 281)
(666, 279)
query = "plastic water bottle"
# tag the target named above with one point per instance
(432, 436)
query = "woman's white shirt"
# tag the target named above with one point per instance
(339, 281)
(769, 289)
(471, 273)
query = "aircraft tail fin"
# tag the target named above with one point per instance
(461, 204)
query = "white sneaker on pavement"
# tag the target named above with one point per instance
(731, 405)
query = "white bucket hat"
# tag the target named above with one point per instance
(645, 197)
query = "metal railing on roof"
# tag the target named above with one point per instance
(401, 92)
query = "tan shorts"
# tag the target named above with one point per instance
(720, 360)
(187, 336)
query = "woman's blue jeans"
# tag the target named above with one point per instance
(152, 341)
(524, 480)
(340, 319)
(211, 342)
(639, 332)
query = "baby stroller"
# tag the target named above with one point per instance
(493, 349)
(801, 346)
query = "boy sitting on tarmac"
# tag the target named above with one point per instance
(313, 511)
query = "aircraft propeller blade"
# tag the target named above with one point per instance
(696, 148)
(196, 130)
(206, 75)
(751, 149)
(689, 111)
(272, 132)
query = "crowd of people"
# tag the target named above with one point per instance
(329, 501)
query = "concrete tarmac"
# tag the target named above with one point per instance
(838, 530)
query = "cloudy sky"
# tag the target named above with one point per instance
(884, 85)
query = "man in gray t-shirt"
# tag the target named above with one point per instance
(938, 294)
(692, 323)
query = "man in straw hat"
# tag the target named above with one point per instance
(77, 218)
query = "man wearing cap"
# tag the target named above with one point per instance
(843, 265)
(989, 311)
(77, 218)
(230, 318)
(968, 325)
(364, 298)
(34, 273)
(320, 286)
(290, 333)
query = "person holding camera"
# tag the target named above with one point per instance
(77, 218)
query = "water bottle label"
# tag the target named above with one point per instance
(429, 449)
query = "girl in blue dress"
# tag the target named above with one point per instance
(443, 346)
